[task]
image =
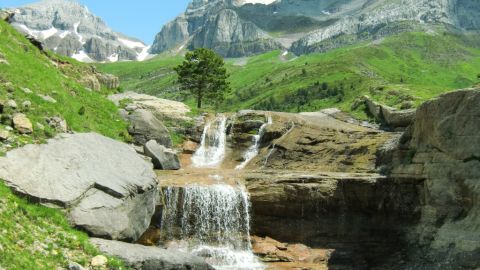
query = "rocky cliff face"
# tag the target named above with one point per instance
(214, 24)
(236, 28)
(70, 29)
(443, 148)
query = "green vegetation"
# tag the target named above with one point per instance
(34, 236)
(32, 74)
(203, 74)
(408, 68)
(37, 237)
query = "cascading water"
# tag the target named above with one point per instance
(253, 150)
(213, 221)
(211, 152)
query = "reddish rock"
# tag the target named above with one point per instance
(189, 147)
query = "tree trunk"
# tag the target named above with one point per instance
(199, 100)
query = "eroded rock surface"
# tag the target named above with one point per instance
(151, 258)
(443, 148)
(106, 187)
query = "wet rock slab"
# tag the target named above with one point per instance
(150, 258)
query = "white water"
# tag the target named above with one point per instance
(213, 222)
(211, 152)
(253, 150)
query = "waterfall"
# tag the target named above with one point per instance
(253, 150)
(214, 221)
(211, 152)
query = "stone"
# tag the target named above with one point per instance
(58, 123)
(150, 258)
(162, 158)
(22, 124)
(27, 104)
(388, 115)
(189, 147)
(74, 266)
(12, 104)
(27, 90)
(47, 98)
(99, 261)
(108, 80)
(107, 188)
(144, 126)
(91, 82)
(163, 109)
(4, 135)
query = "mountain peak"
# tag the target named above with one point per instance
(69, 28)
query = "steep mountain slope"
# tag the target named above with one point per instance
(404, 69)
(237, 28)
(46, 87)
(68, 28)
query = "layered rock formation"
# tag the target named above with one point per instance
(443, 148)
(237, 28)
(68, 28)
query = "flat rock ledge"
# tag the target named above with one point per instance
(150, 258)
(106, 188)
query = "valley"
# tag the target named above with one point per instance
(348, 137)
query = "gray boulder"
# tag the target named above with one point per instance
(162, 158)
(106, 188)
(150, 258)
(144, 126)
(388, 115)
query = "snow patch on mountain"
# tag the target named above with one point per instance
(69, 28)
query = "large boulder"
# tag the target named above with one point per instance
(144, 126)
(22, 124)
(150, 258)
(390, 116)
(444, 151)
(108, 80)
(106, 188)
(162, 158)
(163, 109)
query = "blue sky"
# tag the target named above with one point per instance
(142, 19)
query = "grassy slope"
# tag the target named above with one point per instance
(36, 237)
(32, 69)
(33, 236)
(409, 66)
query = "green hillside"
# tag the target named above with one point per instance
(404, 69)
(31, 74)
(33, 236)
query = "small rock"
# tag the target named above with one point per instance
(26, 90)
(58, 124)
(74, 266)
(162, 157)
(47, 98)
(131, 107)
(22, 124)
(99, 261)
(8, 128)
(27, 104)
(12, 104)
(4, 135)
(189, 147)
(10, 88)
